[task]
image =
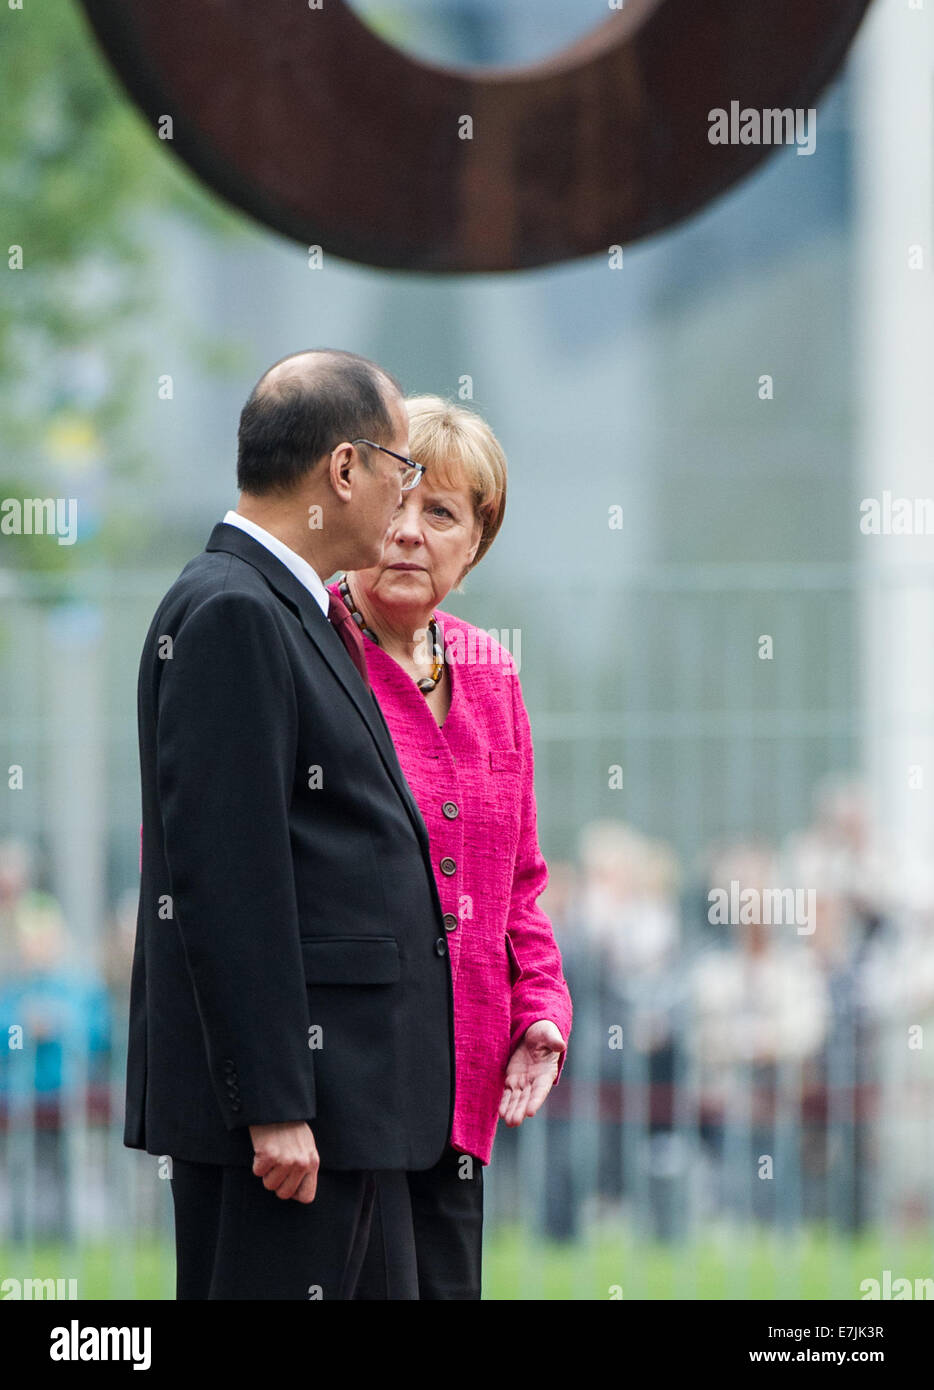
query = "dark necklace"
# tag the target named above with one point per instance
(427, 683)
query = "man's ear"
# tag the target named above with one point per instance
(338, 466)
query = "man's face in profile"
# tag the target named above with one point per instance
(386, 477)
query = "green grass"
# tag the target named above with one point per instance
(724, 1263)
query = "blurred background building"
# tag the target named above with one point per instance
(736, 684)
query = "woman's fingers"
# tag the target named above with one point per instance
(521, 1099)
(515, 1109)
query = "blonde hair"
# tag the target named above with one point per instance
(458, 448)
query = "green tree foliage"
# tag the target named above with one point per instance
(82, 181)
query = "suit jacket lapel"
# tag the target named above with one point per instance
(320, 630)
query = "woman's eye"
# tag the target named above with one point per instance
(439, 508)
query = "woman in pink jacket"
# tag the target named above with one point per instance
(453, 703)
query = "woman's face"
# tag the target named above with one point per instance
(431, 539)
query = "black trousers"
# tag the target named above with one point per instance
(446, 1216)
(234, 1239)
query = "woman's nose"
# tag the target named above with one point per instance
(406, 526)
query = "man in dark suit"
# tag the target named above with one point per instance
(291, 1015)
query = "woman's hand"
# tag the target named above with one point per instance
(531, 1072)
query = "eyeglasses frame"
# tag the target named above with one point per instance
(420, 468)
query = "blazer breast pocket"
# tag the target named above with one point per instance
(505, 760)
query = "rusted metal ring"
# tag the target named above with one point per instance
(310, 122)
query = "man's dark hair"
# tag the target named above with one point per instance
(295, 418)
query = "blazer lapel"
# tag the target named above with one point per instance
(293, 593)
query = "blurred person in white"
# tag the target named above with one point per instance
(630, 910)
(881, 910)
(629, 902)
(760, 1001)
(896, 999)
(842, 857)
(871, 912)
(630, 915)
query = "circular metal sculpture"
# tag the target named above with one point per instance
(306, 119)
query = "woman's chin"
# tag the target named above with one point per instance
(406, 579)
(406, 586)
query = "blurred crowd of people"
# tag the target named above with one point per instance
(772, 1069)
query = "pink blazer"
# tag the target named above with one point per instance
(473, 782)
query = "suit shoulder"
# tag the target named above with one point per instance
(211, 585)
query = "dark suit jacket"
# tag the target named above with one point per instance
(290, 961)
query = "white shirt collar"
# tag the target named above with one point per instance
(300, 568)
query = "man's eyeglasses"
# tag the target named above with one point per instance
(411, 473)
